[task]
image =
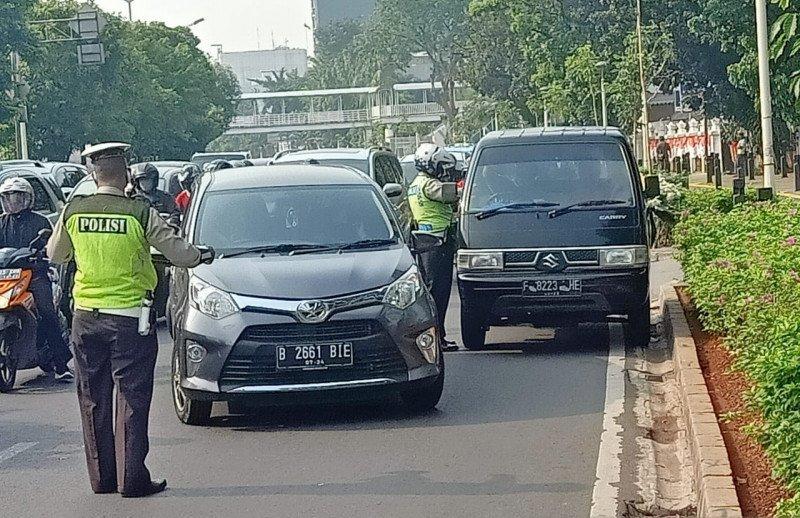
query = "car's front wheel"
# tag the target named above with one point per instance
(473, 329)
(190, 411)
(425, 398)
(639, 327)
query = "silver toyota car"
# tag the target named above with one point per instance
(315, 295)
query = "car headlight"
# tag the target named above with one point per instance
(403, 292)
(480, 260)
(211, 301)
(634, 256)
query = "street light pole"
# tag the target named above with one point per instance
(645, 112)
(130, 10)
(768, 153)
(602, 66)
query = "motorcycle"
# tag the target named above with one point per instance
(18, 315)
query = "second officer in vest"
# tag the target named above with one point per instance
(109, 237)
(432, 196)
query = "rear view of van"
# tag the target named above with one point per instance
(553, 233)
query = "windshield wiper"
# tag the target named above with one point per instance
(285, 248)
(590, 203)
(365, 243)
(514, 207)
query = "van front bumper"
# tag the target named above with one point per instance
(605, 293)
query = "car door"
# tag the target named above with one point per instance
(388, 170)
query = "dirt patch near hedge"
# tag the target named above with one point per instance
(758, 492)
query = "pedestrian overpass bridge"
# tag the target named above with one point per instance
(338, 109)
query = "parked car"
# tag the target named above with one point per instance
(202, 159)
(380, 164)
(553, 233)
(306, 301)
(48, 197)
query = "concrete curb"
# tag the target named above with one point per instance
(713, 477)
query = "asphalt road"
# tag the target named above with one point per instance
(518, 433)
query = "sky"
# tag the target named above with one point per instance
(235, 24)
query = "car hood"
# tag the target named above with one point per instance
(308, 276)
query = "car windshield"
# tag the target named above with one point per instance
(558, 174)
(232, 221)
(361, 165)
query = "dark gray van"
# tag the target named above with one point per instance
(553, 232)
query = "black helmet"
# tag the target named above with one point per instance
(217, 165)
(147, 172)
(188, 175)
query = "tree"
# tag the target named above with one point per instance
(156, 90)
(14, 35)
(437, 28)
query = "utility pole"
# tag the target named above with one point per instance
(20, 91)
(768, 152)
(602, 66)
(130, 10)
(643, 80)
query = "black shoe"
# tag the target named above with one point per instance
(155, 486)
(104, 491)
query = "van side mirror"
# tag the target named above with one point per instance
(393, 190)
(425, 242)
(652, 187)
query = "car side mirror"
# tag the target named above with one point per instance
(393, 190)
(425, 241)
(652, 187)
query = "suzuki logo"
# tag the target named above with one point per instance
(551, 262)
(312, 312)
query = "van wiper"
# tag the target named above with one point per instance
(285, 248)
(590, 203)
(514, 207)
(364, 243)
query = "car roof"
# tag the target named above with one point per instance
(551, 134)
(330, 154)
(294, 175)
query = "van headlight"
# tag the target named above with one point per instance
(403, 292)
(634, 256)
(480, 260)
(211, 301)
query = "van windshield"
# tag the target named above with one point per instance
(551, 175)
(232, 221)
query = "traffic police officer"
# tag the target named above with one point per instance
(109, 237)
(432, 196)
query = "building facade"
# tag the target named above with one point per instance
(261, 64)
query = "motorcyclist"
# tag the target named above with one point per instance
(145, 187)
(186, 178)
(432, 196)
(19, 227)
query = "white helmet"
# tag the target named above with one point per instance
(422, 158)
(17, 185)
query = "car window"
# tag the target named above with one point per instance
(384, 171)
(242, 219)
(396, 170)
(361, 165)
(68, 176)
(556, 173)
(42, 200)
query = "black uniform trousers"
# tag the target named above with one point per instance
(109, 353)
(437, 270)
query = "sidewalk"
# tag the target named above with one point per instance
(779, 183)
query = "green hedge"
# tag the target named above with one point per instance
(742, 265)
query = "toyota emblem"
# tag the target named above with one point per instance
(312, 312)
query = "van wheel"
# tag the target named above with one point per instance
(473, 332)
(8, 366)
(639, 327)
(189, 411)
(426, 398)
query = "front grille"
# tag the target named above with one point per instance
(581, 256)
(520, 257)
(252, 360)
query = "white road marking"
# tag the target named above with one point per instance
(10, 453)
(605, 496)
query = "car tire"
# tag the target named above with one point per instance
(473, 331)
(189, 411)
(426, 398)
(639, 327)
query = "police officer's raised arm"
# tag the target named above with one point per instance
(440, 191)
(162, 237)
(59, 247)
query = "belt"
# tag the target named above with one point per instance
(124, 312)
